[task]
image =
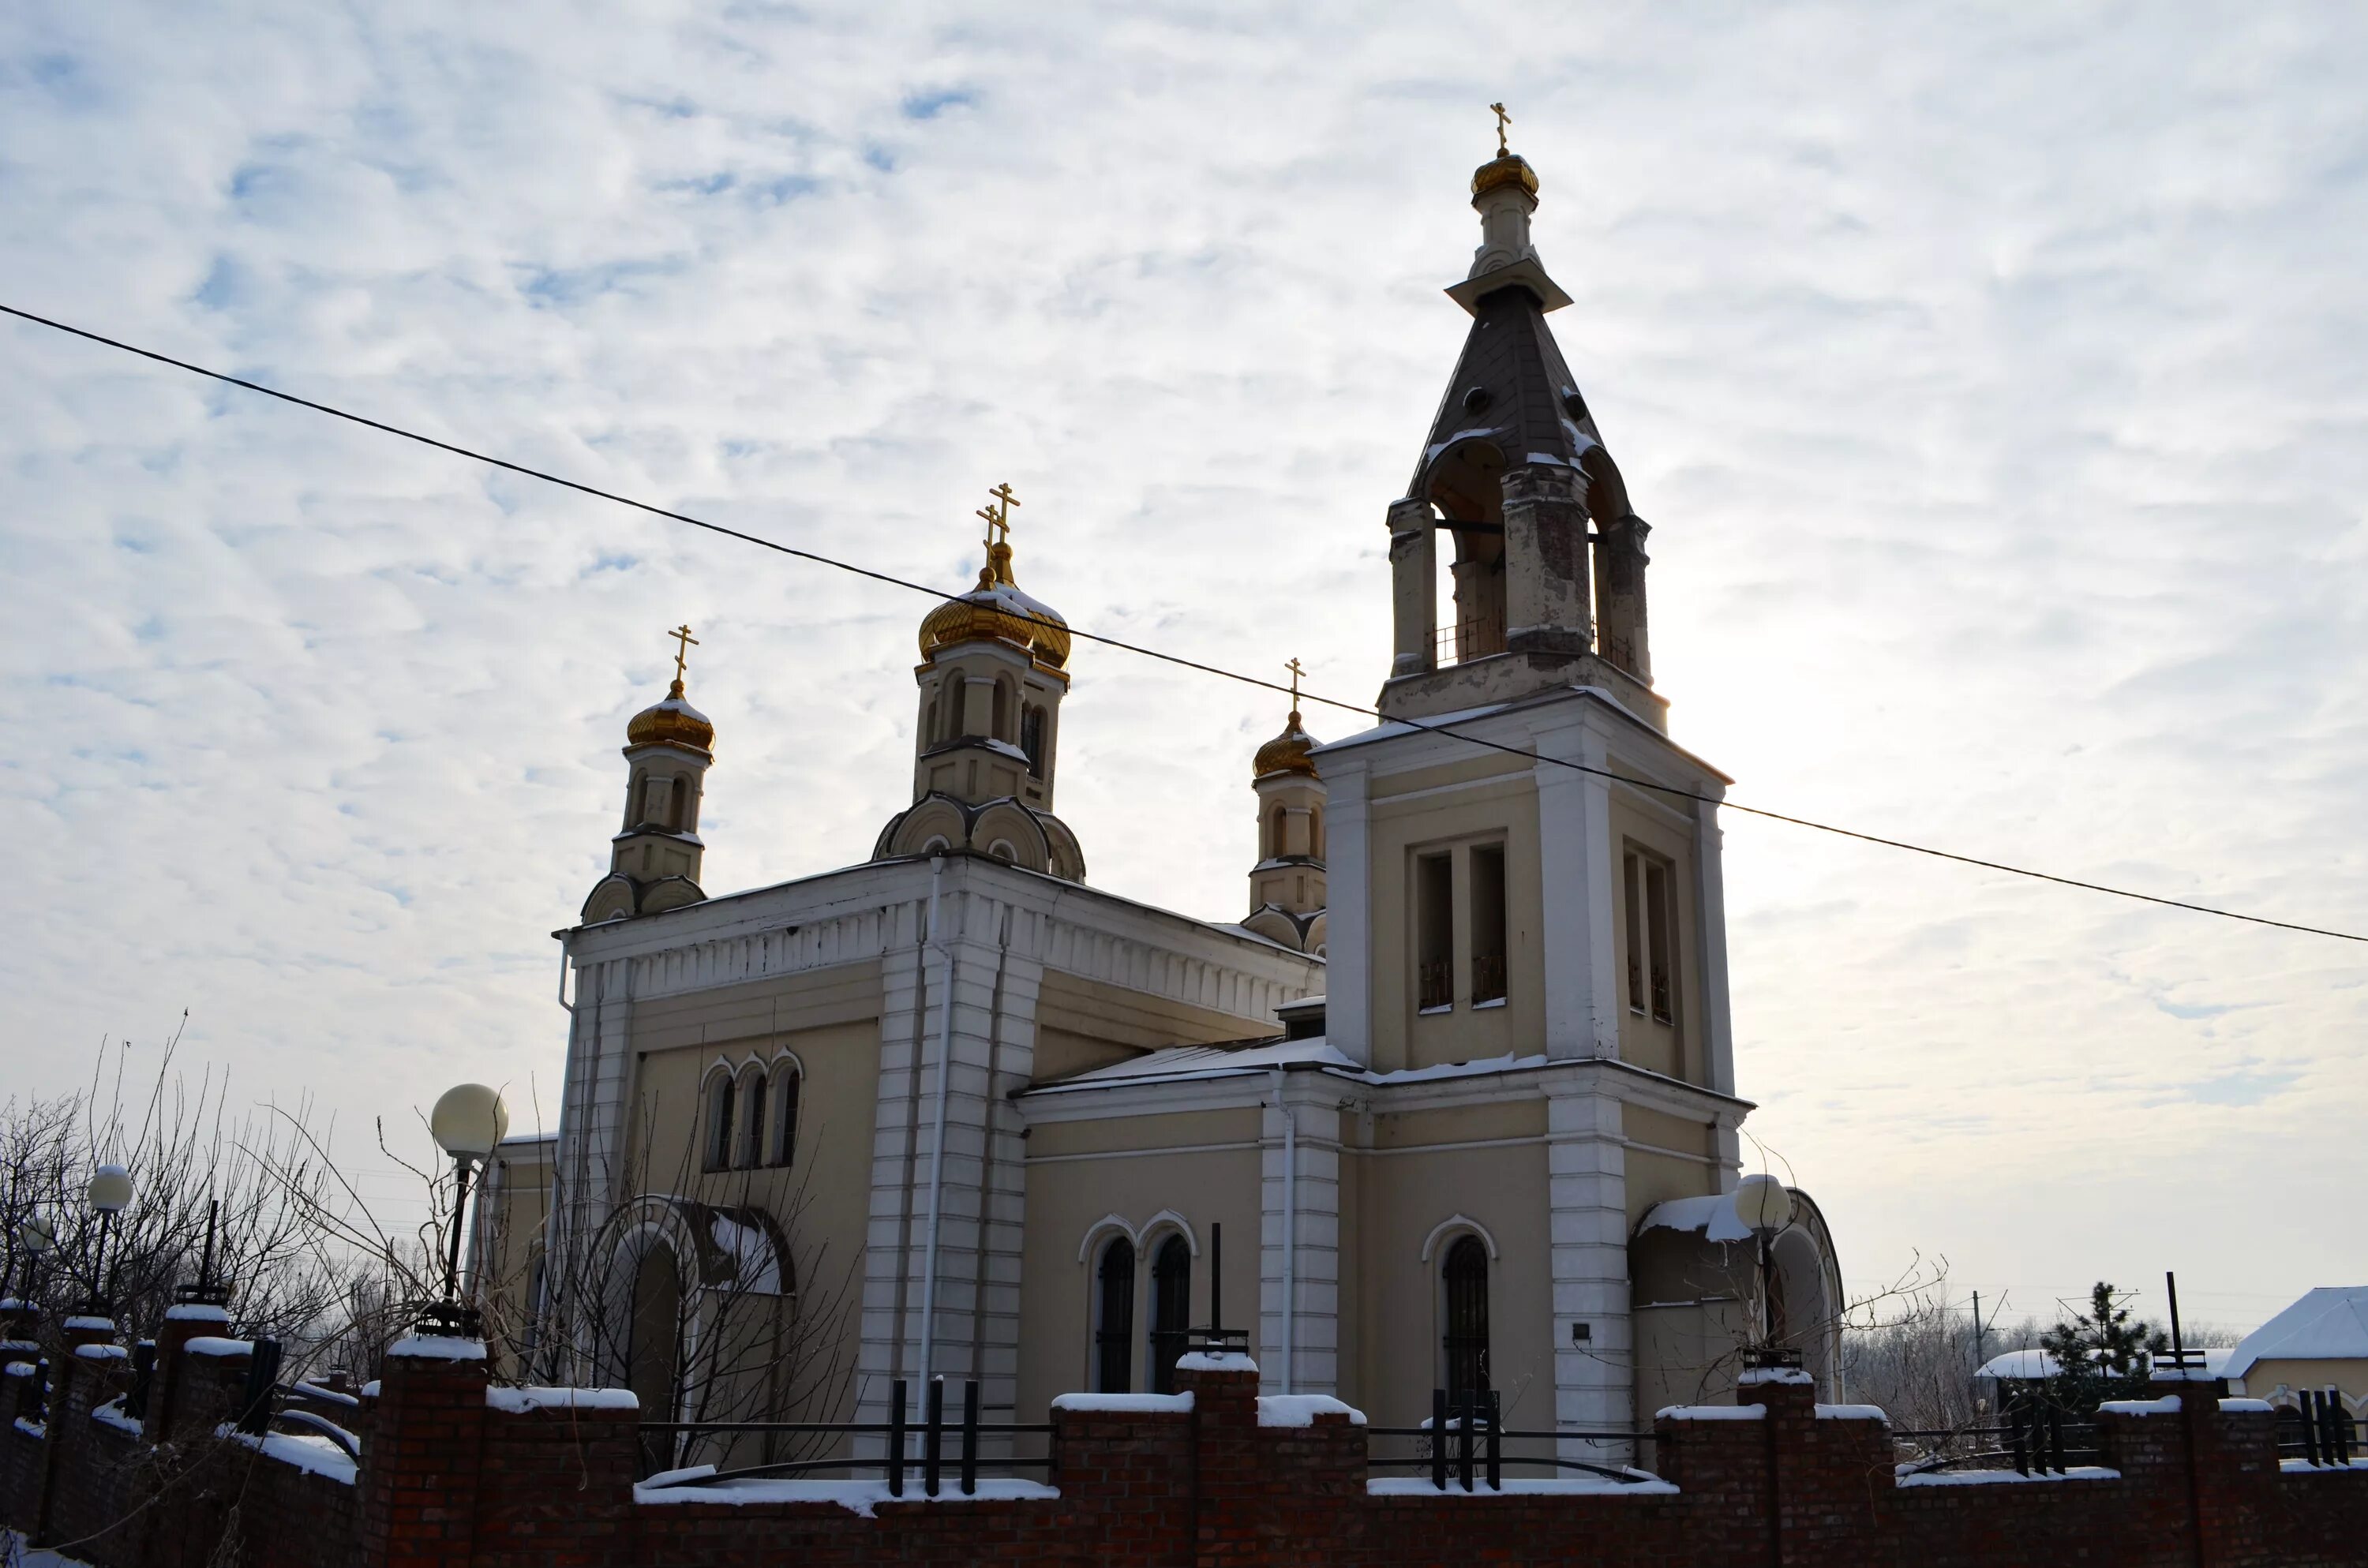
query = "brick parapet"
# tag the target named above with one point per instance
(420, 1476)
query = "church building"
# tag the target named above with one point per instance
(1459, 1087)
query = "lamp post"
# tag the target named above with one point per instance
(111, 1193)
(1765, 1206)
(36, 1235)
(466, 1124)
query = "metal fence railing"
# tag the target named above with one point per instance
(1466, 1445)
(931, 1445)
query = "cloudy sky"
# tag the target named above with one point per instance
(1991, 378)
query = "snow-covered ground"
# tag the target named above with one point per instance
(13, 1554)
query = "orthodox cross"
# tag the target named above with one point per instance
(999, 516)
(1502, 120)
(684, 643)
(1295, 673)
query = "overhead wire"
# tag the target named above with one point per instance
(1361, 710)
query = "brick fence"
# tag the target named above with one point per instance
(539, 1478)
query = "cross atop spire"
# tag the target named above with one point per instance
(684, 643)
(1503, 120)
(1293, 666)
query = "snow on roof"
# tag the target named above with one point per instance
(2329, 1324)
(1187, 1063)
(2020, 1364)
(1713, 1216)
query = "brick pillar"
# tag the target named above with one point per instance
(71, 1380)
(182, 1324)
(1268, 1495)
(2234, 1459)
(420, 1471)
(1823, 1475)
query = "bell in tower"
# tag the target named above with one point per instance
(653, 860)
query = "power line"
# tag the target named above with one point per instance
(1178, 659)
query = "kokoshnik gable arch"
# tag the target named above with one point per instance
(1460, 1086)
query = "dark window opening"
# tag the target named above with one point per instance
(719, 1126)
(1659, 945)
(752, 1136)
(1650, 895)
(785, 1133)
(1465, 1277)
(1031, 739)
(678, 804)
(1114, 1319)
(1489, 924)
(1434, 932)
(1171, 1309)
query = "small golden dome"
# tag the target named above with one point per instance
(1504, 169)
(1287, 752)
(671, 723)
(997, 609)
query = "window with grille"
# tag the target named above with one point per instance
(1434, 884)
(1114, 1318)
(1171, 1309)
(1650, 896)
(1487, 924)
(1464, 1277)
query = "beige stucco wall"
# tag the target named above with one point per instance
(1488, 799)
(1395, 1193)
(1073, 1184)
(821, 1199)
(2264, 1378)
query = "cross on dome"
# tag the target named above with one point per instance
(1503, 120)
(684, 643)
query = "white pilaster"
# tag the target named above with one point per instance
(1576, 867)
(1306, 1209)
(1710, 900)
(1348, 947)
(1588, 1232)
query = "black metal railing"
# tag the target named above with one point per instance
(1434, 985)
(2036, 1437)
(1464, 1445)
(909, 1446)
(2323, 1435)
(1487, 978)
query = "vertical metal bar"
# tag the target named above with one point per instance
(1438, 1439)
(936, 1428)
(1467, 1407)
(1217, 1282)
(1496, 1455)
(2055, 1437)
(970, 1438)
(2309, 1426)
(897, 1439)
(2177, 1343)
(2016, 1413)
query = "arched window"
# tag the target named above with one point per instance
(752, 1099)
(719, 1123)
(929, 724)
(651, 1347)
(1315, 831)
(785, 1117)
(1031, 739)
(1171, 1309)
(633, 800)
(999, 718)
(1275, 839)
(1114, 1318)
(678, 804)
(1464, 1277)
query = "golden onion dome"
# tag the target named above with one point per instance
(1287, 752)
(998, 610)
(1507, 168)
(671, 723)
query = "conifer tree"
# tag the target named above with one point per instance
(2101, 1355)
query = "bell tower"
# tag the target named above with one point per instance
(985, 753)
(1287, 883)
(653, 860)
(1545, 556)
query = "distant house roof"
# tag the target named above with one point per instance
(2329, 1324)
(2033, 1363)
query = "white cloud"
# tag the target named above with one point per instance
(1991, 385)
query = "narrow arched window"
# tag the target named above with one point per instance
(929, 724)
(1114, 1318)
(752, 1120)
(785, 1117)
(678, 804)
(1000, 720)
(1171, 1309)
(1465, 1278)
(1315, 831)
(719, 1123)
(1031, 739)
(1275, 843)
